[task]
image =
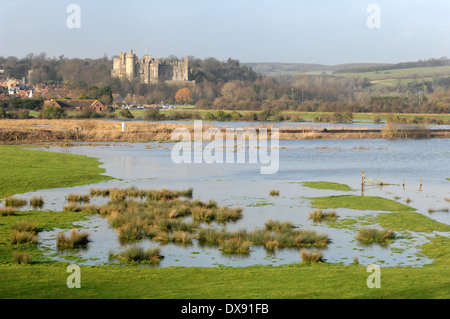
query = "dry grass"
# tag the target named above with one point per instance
(7, 211)
(138, 254)
(235, 246)
(64, 130)
(24, 226)
(76, 198)
(37, 202)
(22, 258)
(13, 201)
(274, 192)
(435, 210)
(22, 237)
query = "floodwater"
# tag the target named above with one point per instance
(150, 166)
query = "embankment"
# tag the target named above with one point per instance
(42, 131)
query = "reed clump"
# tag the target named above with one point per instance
(7, 211)
(37, 202)
(319, 215)
(23, 237)
(236, 245)
(371, 235)
(138, 254)
(274, 192)
(13, 201)
(76, 239)
(77, 198)
(278, 226)
(435, 210)
(21, 258)
(311, 257)
(24, 226)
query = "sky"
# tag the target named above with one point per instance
(292, 31)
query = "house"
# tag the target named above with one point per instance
(77, 105)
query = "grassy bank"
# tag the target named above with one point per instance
(359, 202)
(66, 131)
(327, 185)
(24, 170)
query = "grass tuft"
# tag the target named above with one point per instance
(311, 257)
(76, 239)
(138, 254)
(23, 237)
(13, 201)
(369, 236)
(7, 211)
(21, 258)
(37, 202)
(274, 192)
(318, 215)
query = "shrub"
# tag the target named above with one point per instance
(51, 112)
(125, 113)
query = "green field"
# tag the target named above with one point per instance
(393, 77)
(359, 202)
(25, 170)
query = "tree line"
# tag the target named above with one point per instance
(230, 85)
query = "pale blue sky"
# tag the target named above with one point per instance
(297, 31)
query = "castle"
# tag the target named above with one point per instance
(149, 70)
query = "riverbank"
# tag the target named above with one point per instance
(65, 130)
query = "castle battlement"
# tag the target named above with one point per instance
(149, 69)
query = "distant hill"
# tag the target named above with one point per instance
(279, 69)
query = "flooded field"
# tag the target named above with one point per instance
(149, 166)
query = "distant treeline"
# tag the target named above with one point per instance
(402, 65)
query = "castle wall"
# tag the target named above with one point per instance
(148, 69)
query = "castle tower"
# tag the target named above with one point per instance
(130, 63)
